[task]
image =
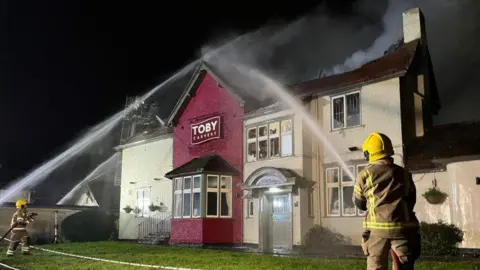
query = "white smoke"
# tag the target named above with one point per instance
(392, 32)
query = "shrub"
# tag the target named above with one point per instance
(440, 238)
(88, 225)
(318, 238)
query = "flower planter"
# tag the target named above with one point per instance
(127, 209)
(435, 196)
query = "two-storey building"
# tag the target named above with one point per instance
(395, 94)
(277, 179)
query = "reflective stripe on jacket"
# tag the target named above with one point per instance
(388, 192)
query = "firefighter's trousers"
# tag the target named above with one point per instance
(18, 236)
(378, 248)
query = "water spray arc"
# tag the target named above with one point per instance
(97, 172)
(96, 133)
(278, 91)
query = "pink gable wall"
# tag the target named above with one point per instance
(211, 100)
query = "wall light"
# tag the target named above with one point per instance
(274, 189)
(353, 149)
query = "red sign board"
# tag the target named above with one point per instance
(206, 130)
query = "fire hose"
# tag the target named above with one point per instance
(15, 224)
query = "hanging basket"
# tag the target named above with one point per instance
(127, 209)
(435, 196)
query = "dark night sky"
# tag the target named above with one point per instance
(67, 65)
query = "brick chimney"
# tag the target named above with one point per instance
(413, 25)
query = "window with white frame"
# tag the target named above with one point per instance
(143, 201)
(199, 196)
(339, 189)
(271, 140)
(249, 208)
(346, 110)
(219, 196)
(187, 196)
(177, 198)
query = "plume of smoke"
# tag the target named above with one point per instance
(392, 32)
(296, 52)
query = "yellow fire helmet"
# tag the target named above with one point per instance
(377, 146)
(21, 203)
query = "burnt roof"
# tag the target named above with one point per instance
(390, 65)
(443, 142)
(204, 164)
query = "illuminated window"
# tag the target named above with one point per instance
(249, 208)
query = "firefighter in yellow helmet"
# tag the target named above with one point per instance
(387, 192)
(20, 219)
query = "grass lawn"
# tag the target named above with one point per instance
(185, 257)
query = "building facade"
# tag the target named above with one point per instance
(394, 94)
(208, 162)
(145, 160)
(277, 179)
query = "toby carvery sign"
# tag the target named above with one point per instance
(206, 130)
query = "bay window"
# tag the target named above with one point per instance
(339, 189)
(270, 140)
(189, 191)
(345, 111)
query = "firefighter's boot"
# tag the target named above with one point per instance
(9, 252)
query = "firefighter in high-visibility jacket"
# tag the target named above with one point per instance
(387, 192)
(20, 220)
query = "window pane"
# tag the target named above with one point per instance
(332, 176)
(197, 182)
(186, 204)
(338, 113)
(275, 147)
(274, 128)
(286, 126)
(252, 133)
(310, 203)
(333, 201)
(262, 149)
(262, 131)
(225, 203)
(196, 204)
(187, 183)
(252, 151)
(345, 176)
(287, 145)
(250, 208)
(353, 109)
(178, 205)
(212, 201)
(226, 182)
(178, 184)
(212, 181)
(348, 206)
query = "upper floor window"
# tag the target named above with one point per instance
(339, 189)
(189, 200)
(270, 140)
(346, 111)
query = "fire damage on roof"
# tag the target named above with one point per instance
(457, 140)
